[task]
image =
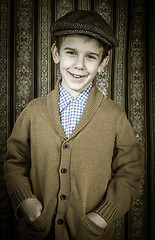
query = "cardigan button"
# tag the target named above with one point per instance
(63, 170)
(60, 221)
(63, 197)
(66, 145)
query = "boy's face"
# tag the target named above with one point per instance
(80, 59)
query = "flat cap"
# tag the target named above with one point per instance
(86, 23)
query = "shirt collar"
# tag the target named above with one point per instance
(65, 97)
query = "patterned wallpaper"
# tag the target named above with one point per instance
(24, 57)
(27, 71)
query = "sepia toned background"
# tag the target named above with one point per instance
(27, 72)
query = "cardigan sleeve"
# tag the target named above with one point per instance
(17, 162)
(127, 168)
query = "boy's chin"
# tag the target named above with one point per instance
(75, 87)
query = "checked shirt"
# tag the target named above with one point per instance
(71, 108)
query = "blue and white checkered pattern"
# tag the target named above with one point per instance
(71, 108)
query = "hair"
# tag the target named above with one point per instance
(59, 39)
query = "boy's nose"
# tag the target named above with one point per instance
(79, 64)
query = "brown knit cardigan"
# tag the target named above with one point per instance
(98, 168)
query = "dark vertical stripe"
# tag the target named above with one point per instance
(53, 14)
(35, 29)
(150, 111)
(11, 74)
(127, 56)
(113, 52)
(75, 5)
(92, 4)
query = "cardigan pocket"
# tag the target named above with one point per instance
(81, 227)
(91, 225)
(38, 224)
(105, 233)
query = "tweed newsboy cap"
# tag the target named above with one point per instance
(86, 23)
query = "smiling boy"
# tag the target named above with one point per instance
(73, 164)
(80, 59)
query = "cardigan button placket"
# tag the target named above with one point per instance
(64, 191)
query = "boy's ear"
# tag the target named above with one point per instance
(103, 64)
(55, 53)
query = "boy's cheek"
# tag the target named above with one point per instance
(66, 63)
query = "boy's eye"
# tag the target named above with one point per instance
(91, 57)
(71, 52)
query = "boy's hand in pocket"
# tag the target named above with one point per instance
(31, 208)
(97, 219)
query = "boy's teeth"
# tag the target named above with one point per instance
(76, 76)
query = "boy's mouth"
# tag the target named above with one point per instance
(76, 76)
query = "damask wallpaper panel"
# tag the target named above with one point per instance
(43, 50)
(121, 52)
(84, 4)
(23, 54)
(27, 71)
(104, 81)
(136, 108)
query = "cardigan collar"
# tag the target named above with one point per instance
(94, 101)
